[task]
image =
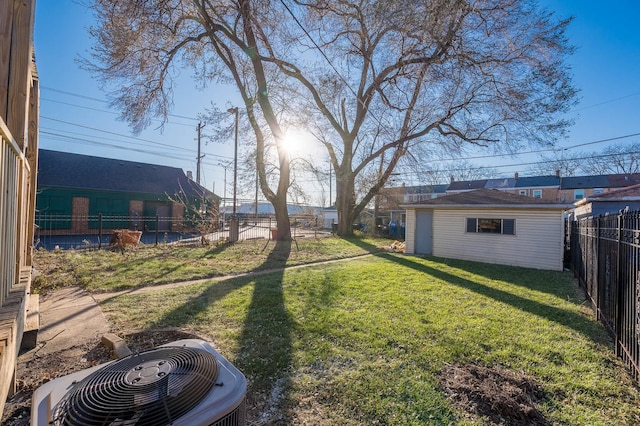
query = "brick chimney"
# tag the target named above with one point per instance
(190, 174)
(452, 179)
(557, 173)
(516, 176)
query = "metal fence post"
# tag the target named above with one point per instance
(597, 271)
(157, 226)
(99, 231)
(619, 304)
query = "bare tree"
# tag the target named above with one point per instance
(613, 159)
(558, 162)
(395, 75)
(373, 80)
(435, 173)
(140, 45)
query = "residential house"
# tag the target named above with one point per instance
(500, 183)
(489, 226)
(542, 187)
(423, 193)
(465, 185)
(576, 188)
(608, 202)
(74, 189)
(550, 188)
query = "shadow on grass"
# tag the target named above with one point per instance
(131, 264)
(573, 320)
(265, 341)
(577, 322)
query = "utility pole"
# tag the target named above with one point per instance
(330, 183)
(233, 225)
(235, 157)
(199, 128)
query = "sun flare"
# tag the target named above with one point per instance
(299, 143)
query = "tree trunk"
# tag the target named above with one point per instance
(345, 202)
(282, 218)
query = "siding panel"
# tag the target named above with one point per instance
(537, 243)
(410, 232)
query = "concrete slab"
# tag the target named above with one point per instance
(67, 317)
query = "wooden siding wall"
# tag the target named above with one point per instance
(19, 100)
(537, 243)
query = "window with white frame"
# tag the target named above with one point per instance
(523, 192)
(597, 191)
(537, 193)
(491, 226)
(578, 194)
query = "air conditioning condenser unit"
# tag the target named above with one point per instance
(183, 383)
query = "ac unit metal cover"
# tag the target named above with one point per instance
(222, 405)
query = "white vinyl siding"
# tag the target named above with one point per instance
(538, 243)
(410, 226)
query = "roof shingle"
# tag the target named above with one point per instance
(66, 170)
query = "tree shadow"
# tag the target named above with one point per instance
(576, 321)
(359, 242)
(540, 280)
(131, 264)
(265, 345)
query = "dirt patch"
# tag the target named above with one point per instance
(494, 395)
(34, 370)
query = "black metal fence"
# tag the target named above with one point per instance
(605, 257)
(95, 232)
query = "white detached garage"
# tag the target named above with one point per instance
(488, 226)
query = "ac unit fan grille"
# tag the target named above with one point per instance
(154, 387)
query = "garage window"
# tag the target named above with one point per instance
(491, 226)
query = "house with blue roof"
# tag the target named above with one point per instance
(424, 192)
(466, 185)
(74, 190)
(576, 188)
(543, 187)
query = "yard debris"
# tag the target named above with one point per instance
(398, 246)
(495, 395)
(121, 238)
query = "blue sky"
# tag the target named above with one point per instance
(76, 118)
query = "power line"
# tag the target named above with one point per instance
(606, 102)
(324, 55)
(530, 163)
(90, 142)
(129, 137)
(104, 101)
(66, 138)
(109, 139)
(107, 111)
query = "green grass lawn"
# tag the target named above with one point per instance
(105, 271)
(364, 341)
